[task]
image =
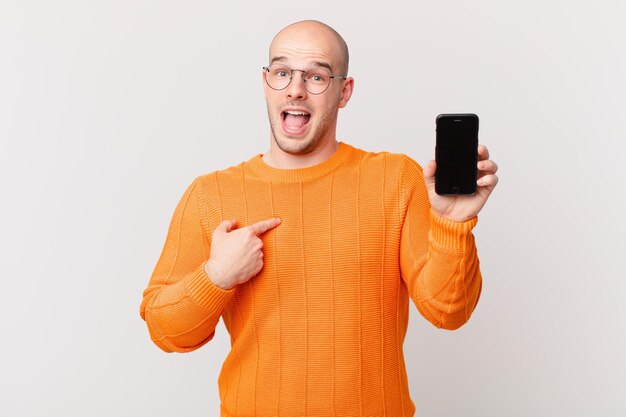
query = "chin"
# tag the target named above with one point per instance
(296, 145)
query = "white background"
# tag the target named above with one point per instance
(109, 109)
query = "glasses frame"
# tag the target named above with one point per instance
(267, 70)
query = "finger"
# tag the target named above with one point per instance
(488, 166)
(264, 225)
(483, 152)
(429, 169)
(487, 181)
(429, 174)
(226, 226)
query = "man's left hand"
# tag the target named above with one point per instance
(461, 208)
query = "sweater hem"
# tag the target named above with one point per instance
(450, 234)
(205, 292)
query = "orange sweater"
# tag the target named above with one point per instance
(319, 331)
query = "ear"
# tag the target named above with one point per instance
(263, 83)
(346, 92)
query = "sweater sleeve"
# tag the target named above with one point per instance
(181, 305)
(438, 257)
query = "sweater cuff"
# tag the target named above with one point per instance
(449, 233)
(204, 292)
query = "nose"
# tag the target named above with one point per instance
(296, 88)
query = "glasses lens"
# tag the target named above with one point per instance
(278, 76)
(316, 80)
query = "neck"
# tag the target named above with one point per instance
(277, 158)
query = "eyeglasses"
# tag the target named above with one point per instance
(316, 80)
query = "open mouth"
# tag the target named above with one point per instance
(294, 121)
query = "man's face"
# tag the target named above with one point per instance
(299, 120)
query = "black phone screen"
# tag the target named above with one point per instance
(456, 154)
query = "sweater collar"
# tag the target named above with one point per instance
(337, 159)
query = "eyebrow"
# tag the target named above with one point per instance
(315, 63)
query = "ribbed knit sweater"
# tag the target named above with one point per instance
(319, 331)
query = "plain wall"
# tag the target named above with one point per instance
(109, 109)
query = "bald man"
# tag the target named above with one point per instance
(311, 251)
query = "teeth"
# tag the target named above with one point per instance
(296, 113)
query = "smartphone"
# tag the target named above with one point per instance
(456, 154)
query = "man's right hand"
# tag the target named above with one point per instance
(236, 254)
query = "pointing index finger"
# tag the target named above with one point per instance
(264, 225)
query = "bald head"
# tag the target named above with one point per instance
(303, 34)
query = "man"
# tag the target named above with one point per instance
(311, 251)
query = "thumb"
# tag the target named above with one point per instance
(226, 226)
(429, 174)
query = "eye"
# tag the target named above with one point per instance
(317, 77)
(280, 71)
